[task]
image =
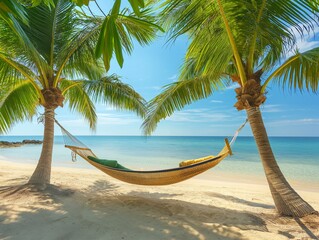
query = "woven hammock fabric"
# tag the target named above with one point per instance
(157, 177)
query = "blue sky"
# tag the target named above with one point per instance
(149, 68)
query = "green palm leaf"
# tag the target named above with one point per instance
(78, 100)
(135, 4)
(118, 31)
(77, 53)
(23, 47)
(177, 95)
(16, 47)
(300, 71)
(263, 34)
(50, 34)
(18, 103)
(11, 70)
(45, 2)
(143, 28)
(208, 58)
(112, 91)
(274, 22)
(81, 2)
(9, 8)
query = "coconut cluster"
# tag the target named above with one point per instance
(249, 95)
(53, 97)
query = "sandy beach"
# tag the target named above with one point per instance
(87, 204)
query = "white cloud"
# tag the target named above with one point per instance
(216, 101)
(116, 119)
(271, 108)
(197, 110)
(307, 45)
(72, 122)
(104, 119)
(198, 115)
(155, 87)
(306, 42)
(303, 121)
(174, 77)
(105, 107)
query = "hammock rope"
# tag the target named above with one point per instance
(186, 170)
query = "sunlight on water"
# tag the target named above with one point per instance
(297, 157)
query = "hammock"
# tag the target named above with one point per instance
(186, 170)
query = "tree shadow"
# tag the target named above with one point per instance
(100, 187)
(105, 211)
(156, 195)
(241, 201)
(306, 229)
(16, 191)
(308, 225)
(100, 212)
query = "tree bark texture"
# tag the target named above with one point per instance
(287, 201)
(42, 174)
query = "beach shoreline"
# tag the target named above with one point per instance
(297, 157)
(99, 207)
(210, 175)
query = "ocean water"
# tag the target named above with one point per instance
(298, 157)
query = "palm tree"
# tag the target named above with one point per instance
(11, 9)
(51, 61)
(251, 43)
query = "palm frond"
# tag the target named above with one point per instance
(78, 100)
(48, 27)
(207, 58)
(112, 91)
(135, 4)
(35, 3)
(142, 28)
(10, 9)
(11, 70)
(13, 41)
(77, 55)
(264, 31)
(29, 49)
(18, 103)
(118, 31)
(186, 16)
(89, 69)
(300, 71)
(177, 95)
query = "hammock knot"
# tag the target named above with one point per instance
(73, 155)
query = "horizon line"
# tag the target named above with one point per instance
(86, 135)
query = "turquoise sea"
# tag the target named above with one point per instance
(298, 157)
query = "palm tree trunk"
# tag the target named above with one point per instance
(42, 174)
(287, 201)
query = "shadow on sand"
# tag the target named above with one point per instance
(100, 212)
(241, 201)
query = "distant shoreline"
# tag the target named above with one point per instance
(96, 135)
(9, 144)
(297, 157)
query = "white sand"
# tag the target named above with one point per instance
(87, 204)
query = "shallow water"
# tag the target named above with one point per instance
(298, 157)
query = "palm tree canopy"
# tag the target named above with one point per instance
(55, 52)
(135, 4)
(234, 41)
(110, 39)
